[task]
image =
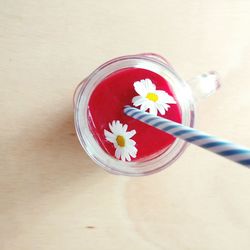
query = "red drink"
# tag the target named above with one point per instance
(147, 82)
(106, 105)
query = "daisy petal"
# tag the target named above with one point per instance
(123, 157)
(112, 127)
(119, 127)
(118, 153)
(131, 133)
(153, 110)
(133, 154)
(132, 151)
(150, 87)
(145, 106)
(132, 148)
(165, 97)
(160, 108)
(124, 128)
(127, 156)
(138, 100)
(122, 151)
(109, 136)
(140, 88)
(131, 142)
(165, 106)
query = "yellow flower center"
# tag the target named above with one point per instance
(120, 140)
(152, 97)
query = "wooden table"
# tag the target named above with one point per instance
(52, 196)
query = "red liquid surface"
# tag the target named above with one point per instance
(107, 102)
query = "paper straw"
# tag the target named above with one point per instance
(223, 148)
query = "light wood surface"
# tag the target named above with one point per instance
(52, 196)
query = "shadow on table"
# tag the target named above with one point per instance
(60, 157)
(47, 158)
(45, 168)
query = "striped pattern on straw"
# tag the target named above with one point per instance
(224, 148)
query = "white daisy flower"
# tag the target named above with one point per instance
(150, 98)
(120, 137)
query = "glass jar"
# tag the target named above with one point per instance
(185, 94)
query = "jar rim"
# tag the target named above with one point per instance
(183, 95)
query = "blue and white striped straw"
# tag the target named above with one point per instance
(224, 148)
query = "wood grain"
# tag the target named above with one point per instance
(52, 196)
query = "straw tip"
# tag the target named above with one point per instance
(126, 107)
